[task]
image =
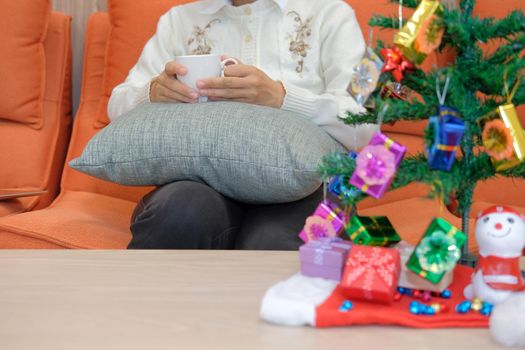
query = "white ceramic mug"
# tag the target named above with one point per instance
(202, 67)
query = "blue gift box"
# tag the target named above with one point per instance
(448, 131)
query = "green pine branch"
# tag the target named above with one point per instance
(412, 169)
(385, 22)
(516, 172)
(511, 25)
(408, 3)
(505, 52)
(467, 7)
(397, 110)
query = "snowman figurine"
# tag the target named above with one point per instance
(500, 233)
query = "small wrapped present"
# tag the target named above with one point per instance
(503, 137)
(397, 91)
(340, 187)
(371, 273)
(324, 258)
(408, 279)
(438, 251)
(327, 221)
(365, 77)
(447, 130)
(372, 231)
(423, 32)
(377, 164)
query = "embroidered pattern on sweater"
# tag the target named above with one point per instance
(299, 46)
(199, 38)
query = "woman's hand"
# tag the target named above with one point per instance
(244, 83)
(166, 87)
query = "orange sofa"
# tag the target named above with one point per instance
(90, 213)
(34, 158)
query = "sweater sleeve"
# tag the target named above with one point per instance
(342, 48)
(134, 91)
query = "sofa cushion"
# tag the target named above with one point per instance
(250, 153)
(23, 28)
(76, 220)
(133, 23)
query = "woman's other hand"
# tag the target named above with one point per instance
(244, 83)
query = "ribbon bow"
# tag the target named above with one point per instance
(438, 252)
(396, 63)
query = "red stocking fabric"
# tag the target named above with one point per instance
(328, 314)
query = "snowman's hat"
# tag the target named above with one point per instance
(500, 209)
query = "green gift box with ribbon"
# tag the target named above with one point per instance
(438, 251)
(371, 231)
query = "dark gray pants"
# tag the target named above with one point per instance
(191, 215)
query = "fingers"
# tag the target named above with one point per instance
(221, 83)
(173, 68)
(239, 70)
(168, 88)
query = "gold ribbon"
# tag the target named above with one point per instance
(389, 143)
(423, 274)
(357, 232)
(510, 96)
(447, 148)
(365, 188)
(450, 112)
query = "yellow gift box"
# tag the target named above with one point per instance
(503, 137)
(409, 39)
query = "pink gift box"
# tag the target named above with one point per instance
(324, 258)
(377, 191)
(330, 212)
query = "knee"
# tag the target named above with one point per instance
(184, 214)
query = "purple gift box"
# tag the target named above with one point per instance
(330, 212)
(324, 258)
(378, 190)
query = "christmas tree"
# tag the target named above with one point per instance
(476, 133)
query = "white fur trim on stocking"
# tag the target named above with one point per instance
(293, 302)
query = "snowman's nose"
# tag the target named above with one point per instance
(498, 226)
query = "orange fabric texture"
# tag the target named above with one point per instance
(84, 130)
(76, 220)
(132, 25)
(23, 28)
(364, 313)
(35, 158)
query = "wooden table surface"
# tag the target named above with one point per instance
(173, 300)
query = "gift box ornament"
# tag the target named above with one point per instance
(503, 137)
(371, 274)
(409, 279)
(438, 251)
(371, 231)
(447, 130)
(327, 221)
(340, 187)
(423, 32)
(376, 165)
(397, 91)
(324, 258)
(365, 77)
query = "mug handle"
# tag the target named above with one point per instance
(227, 62)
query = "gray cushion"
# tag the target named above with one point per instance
(249, 153)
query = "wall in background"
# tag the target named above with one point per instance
(80, 10)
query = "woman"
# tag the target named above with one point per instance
(296, 55)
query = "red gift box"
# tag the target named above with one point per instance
(371, 273)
